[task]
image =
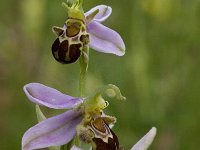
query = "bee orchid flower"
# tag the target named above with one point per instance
(82, 30)
(84, 117)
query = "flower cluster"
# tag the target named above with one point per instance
(84, 117)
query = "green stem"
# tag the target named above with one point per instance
(84, 60)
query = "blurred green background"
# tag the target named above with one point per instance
(159, 74)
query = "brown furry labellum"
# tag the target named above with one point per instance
(104, 137)
(71, 39)
(98, 133)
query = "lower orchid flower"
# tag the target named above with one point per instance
(84, 117)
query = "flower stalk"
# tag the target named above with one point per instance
(84, 61)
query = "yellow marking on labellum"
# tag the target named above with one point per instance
(73, 28)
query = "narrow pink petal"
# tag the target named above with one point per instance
(54, 131)
(103, 14)
(105, 40)
(49, 97)
(146, 141)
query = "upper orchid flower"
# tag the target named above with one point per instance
(86, 118)
(85, 29)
